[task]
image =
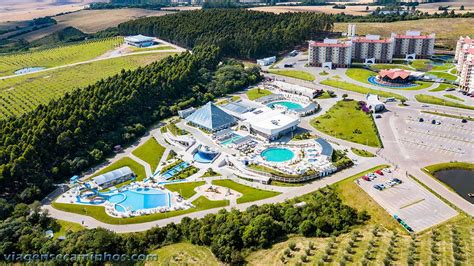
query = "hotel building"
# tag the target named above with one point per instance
(372, 49)
(462, 44)
(413, 45)
(464, 58)
(330, 53)
(466, 82)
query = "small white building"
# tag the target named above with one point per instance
(186, 112)
(296, 89)
(374, 103)
(266, 61)
(114, 177)
(139, 41)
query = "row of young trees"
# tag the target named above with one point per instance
(227, 233)
(79, 130)
(237, 32)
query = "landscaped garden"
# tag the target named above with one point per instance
(297, 74)
(151, 152)
(248, 193)
(423, 98)
(359, 89)
(346, 120)
(362, 153)
(363, 75)
(186, 190)
(256, 93)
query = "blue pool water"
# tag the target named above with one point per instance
(231, 139)
(277, 155)
(204, 157)
(170, 173)
(28, 70)
(287, 104)
(374, 81)
(139, 199)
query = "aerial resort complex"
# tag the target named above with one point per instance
(237, 133)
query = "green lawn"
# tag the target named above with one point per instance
(186, 190)
(151, 152)
(185, 254)
(210, 173)
(345, 121)
(449, 115)
(362, 153)
(21, 94)
(442, 67)
(98, 212)
(442, 87)
(137, 168)
(256, 93)
(66, 226)
(453, 97)
(359, 89)
(326, 95)
(443, 75)
(248, 193)
(423, 98)
(297, 74)
(421, 64)
(450, 165)
(173, 129)
(390, 66)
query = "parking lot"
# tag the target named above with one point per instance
(416, 206)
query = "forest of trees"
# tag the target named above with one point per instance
(237, 32)
(227, 233)
(77, 131)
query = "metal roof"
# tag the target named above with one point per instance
(112, 175)
(211, 117)
(237, 107)
(139, 38)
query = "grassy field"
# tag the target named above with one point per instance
(256, 93)
(248, 193)
(137, 168)
(442, 87)
(423, 98)
(24, 93)
(390, 66)
(98, 212)
(450, 165)
(185, 254)
(151, 152)
(294, 74)
(447, 30)
(443, 75)
(186, 190)
(450, 96)
(344, 121)
(449, 115)
(66, 227)
(359, 89)
(362, 153)
(63, 55)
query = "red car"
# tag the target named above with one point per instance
(379, 172)
(366, 178)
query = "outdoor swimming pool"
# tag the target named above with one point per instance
(204, 157)
(287, 104)
(170, 173)
(277, 155)
(138, 199)
(233, 138)
(373, 80)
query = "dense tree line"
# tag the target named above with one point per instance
(237, 32)
(71, 134)
(227, 233)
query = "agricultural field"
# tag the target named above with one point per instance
(345, 121)
(91, 21)
(447, 30)
(350, 10)
(63, 55)
(24, 93)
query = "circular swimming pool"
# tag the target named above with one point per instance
(288, 104)
(373, 80)
(277, 155)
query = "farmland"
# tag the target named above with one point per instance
(57, 56)
(447, 30)
(23, 93)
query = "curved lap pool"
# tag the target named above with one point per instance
(277, 155)
(204, 157)
(139, 199)
(373, 80)
(287, 104)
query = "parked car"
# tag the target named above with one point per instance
(382, 186)
(421, 120)
(366, 178)
(379, 172)
(425, 105)
(464, 121)
(378, 116)
(450, 89)
(378, 187)
(288, 65)
(396, 180)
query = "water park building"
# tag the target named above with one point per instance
(211, 118)
(140, 41)
(266, 61)
(114, 177)
(269, 123)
